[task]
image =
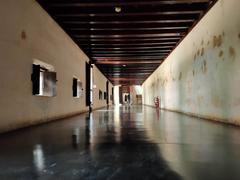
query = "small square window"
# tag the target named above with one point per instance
(43, 81)
(77, 88)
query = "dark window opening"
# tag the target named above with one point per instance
(43, 81)
(100, 95)
(105, 95)
(77, 88)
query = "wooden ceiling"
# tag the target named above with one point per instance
(127, 39)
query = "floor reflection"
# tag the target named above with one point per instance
(38, 159)
(122, 142)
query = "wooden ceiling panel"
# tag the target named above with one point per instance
(127, 39)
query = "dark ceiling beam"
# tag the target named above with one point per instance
(126, 58)
(135, 50)
(138, 17)
(128, 35)
(123, 70)
(119, 32)
(119, 67)
(128, 62)
(142, 43)
(126, 46)
(108, 49)
(127, 22)
(127, 71)
(133, 40)
(128, 9)
(138, 46)
(126, 74)
(126, 79)
(128, 68)
(122, 4)
(93, 29)
(126, 55)
(82, 14)
(140, 24)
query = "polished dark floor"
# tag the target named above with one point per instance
(129, 142)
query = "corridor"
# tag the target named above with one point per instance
(123, 142)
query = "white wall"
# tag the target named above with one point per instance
(99, 80)
(202, 75)
(134, 91)
(27, 32)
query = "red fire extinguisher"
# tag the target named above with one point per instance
(156, 101)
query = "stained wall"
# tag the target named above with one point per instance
(201, 76)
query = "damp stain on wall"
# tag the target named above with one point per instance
(204, 67)
(220, 54)
(216, 101)
(193, 72)
(236, 102)
(200, 100)
(198, 52)
(202, 51)
(217, 41)
(23, 35)
(180, 76)
(232, 52)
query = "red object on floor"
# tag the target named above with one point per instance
(156, 101)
